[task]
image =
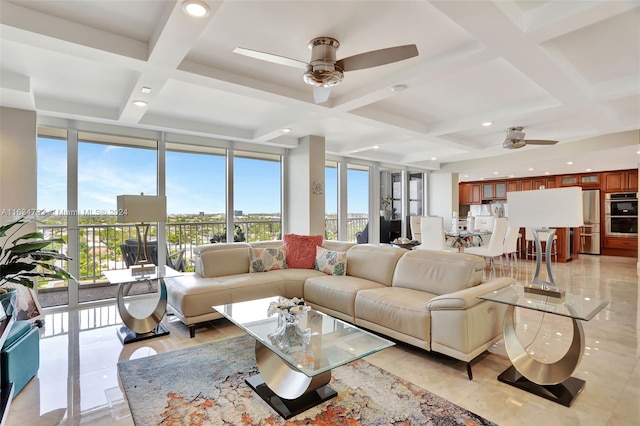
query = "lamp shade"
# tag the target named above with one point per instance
(546, 208)
(141, 208)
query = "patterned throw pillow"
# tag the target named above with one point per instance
(331, 262)
(266, 259)
(301, 250)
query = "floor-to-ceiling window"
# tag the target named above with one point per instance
(357, 199)
(331, 200)
(109, 166)
(196, 198)
(52, 199)
(257, 188)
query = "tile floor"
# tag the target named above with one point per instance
(78, 383)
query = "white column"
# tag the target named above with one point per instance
(443, 196)
(305, 176)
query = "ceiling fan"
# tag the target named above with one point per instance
(515, 139)
(324, 71)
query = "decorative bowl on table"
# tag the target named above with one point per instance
(405, 243)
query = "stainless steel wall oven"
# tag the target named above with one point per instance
(621, 214)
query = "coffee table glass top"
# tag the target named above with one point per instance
(573, 306)
(332, 342)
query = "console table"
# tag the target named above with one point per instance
(552, 381)
(134, 328)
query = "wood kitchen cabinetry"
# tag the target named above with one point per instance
(590, 180)
(494, 190)
(622, 180)
(469, 193)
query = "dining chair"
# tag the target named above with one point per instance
(495, 246)
(510, 248)
(416, 233)
(432, 233)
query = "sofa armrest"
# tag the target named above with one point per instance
(468, 297)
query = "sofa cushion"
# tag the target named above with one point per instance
(266, 259)
(217, 260)
(400, 309)
(301, 250)
(373, 262)
(336, 292)
(331, 262)
(438, 272)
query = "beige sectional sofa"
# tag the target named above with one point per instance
(426, 298)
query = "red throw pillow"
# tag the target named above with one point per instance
(301, 250)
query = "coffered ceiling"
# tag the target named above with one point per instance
(564, 70)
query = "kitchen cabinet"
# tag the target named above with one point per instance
(623, 180)
(494, 191)
(513, 185)
(589, 180)
(469, 193)
(544, 181)
(620, 246)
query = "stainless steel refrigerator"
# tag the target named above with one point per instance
(590, 231)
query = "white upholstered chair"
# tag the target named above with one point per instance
(416, 233)
(495, 246)
(530, 247)
(510, 247)
(432, 232)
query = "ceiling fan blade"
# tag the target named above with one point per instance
(540, 142)
(270, 57)
(321, 94)
(378, 57)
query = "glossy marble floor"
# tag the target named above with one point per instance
(78, 384)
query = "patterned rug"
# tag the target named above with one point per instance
(204, 385)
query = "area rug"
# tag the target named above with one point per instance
(204, 385)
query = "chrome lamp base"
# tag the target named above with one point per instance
(544, 288)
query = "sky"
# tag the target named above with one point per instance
(194, 182)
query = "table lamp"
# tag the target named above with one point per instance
(540, 210)
(141, 209)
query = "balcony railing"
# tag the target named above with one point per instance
(99, 245)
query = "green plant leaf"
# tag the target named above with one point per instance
(30, 236)
(26, 248)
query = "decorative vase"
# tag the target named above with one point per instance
(9, 300)
(288, 337)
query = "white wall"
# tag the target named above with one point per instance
(442, 196)
(17, 161)
(305, 167)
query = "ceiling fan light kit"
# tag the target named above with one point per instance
(323, 70)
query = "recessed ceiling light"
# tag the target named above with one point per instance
(496, 173)
(512, 176)
(637, 152)
(145, 90)
(530, 169)
(547, 173)
(376, 147)
(433, 158)
(466, 176)
(588, 170)
(398, 87)
(196, 9)
(286, 130)
(487, 123)
(569, 162)
(140, 103)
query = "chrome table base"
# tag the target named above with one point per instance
(552, 381)
(288, 391)
(136, 329)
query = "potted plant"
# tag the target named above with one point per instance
(24, 256)
(385, 202)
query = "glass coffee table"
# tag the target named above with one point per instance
(552, 381)
(295, 371)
